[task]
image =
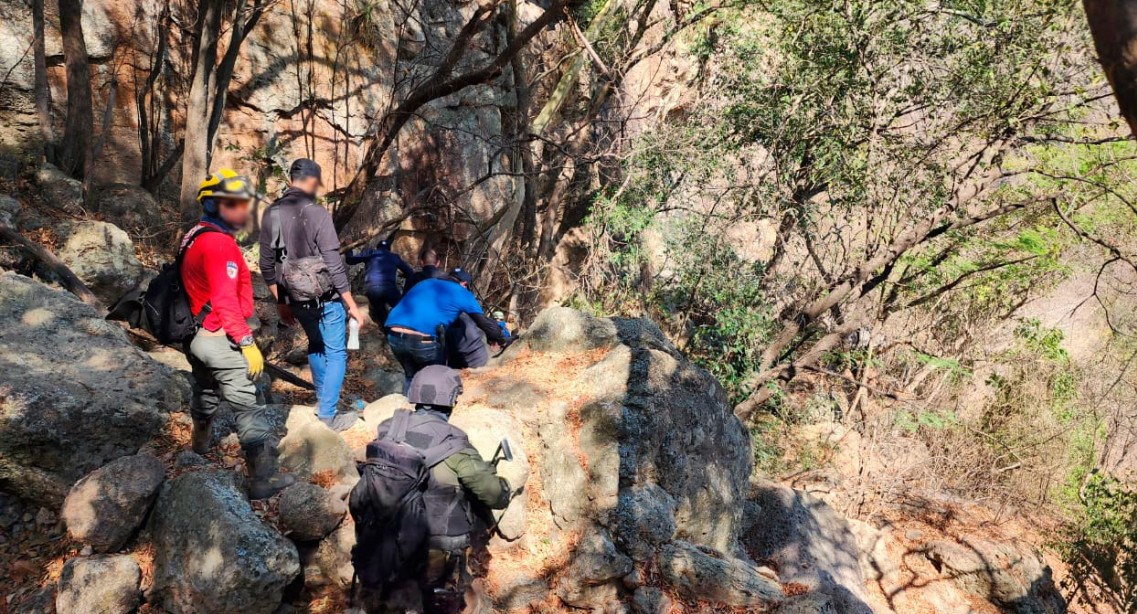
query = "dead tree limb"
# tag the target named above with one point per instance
(67, 278)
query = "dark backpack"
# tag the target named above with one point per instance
(166, 306)
(387, 505)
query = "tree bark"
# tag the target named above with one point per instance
(1113, 24)
(42, 88)
(80, 114)
(197, 150)
(439, 86)
(209, 89)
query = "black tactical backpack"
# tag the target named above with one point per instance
(165, 304)
(387, 505)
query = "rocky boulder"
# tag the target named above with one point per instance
(10, 210)
(308, 512)
(486, 429)
(333, 557)
(698, 574)
(102, 255)
(106, 584)
(310, 448)
(212, 554)
(1012, 577)
(105, 508)
(810, 543)
(561, 329)
(130, 207)
(59, 190)
(74, 393)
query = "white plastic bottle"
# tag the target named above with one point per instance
(353, 334)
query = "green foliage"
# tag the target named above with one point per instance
(1100, 544)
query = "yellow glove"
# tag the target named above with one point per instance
(256, 360)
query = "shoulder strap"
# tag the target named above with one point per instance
(195, 234)
(398, 429)
(451, 446)
(277, 233)
(198, 318)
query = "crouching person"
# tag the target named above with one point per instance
(414, 506)
(223, 354)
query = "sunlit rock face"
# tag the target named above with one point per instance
(74, 393)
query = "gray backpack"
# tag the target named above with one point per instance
(304, 279)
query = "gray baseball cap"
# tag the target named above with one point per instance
(435, 385)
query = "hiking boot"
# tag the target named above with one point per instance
(264, 479)
(202, 434)
(342, 421)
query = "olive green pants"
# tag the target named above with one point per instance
(221, 373)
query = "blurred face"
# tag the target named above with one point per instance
(307, 184)
(234, 212)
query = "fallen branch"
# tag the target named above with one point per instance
(67, 278)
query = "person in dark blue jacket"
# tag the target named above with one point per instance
(426, 311)
(381, 278)
(428, 258)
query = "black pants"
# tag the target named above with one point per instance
(380, 302)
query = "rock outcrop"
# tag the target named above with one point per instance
(102, 255)
(105, 508)
(212, 554)
(74, 393)
(637, 458)
(810, 543)
(105, 584)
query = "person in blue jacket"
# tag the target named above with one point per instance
(415, 325)
(381, 278)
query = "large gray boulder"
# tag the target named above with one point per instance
(10, 210)
(1012, 576)
(310, 448)
(486, 428)
(697, 574)
(810, 543)
(562, 329)
(308, 512)
(212, 554)
(130, 207)
(105, 508)
(102, 255)
(104, 584)
(76, 393)
(58, 190)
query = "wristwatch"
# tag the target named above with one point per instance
(246, 341)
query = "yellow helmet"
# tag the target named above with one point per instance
(225, 183)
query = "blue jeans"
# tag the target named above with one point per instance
(327, 352)
(415, 354)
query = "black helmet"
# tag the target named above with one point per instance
(435, 385)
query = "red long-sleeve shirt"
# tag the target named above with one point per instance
(214, 270)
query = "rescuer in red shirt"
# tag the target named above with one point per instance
(223, 354)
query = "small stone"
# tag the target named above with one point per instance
(87, 550)
(45, 518)
(633, 580)
(188, 458)
(914, 535)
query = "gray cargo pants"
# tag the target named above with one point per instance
(220, 372)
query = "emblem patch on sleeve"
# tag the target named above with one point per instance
(231, 269)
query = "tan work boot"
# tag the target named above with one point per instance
(202, 433)
(264, 479)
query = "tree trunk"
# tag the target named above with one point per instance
(1113, 24)
(197, 148)
(80, 114)
(43, 90)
